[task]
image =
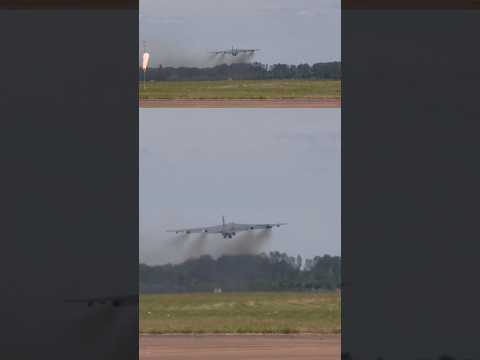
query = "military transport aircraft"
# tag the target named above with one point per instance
(235, 52)
(227, 230)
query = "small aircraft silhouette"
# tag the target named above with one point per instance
(234, 51)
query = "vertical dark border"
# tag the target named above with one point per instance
(69, 4)
(69, 189)
(410, 180)
(410, 5)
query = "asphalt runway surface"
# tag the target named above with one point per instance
(235, 347)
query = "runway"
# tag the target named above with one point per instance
(236, 347)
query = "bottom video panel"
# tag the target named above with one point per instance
(239, 232)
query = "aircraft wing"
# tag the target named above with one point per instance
(248, 50)
(206, 229)
(112, 300)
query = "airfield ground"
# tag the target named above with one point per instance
(240, 313)
(241, 103)
(241, 93)
(236, 347)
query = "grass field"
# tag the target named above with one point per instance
(240, 313)
(241, 89)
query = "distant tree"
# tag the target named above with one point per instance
(299, 262)
(303, 71)
(245, 71)
(280, 71)
(273, 271)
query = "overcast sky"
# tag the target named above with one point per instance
(251, 165)
(181, 32)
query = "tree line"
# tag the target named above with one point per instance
(265, 272)
(247, 71)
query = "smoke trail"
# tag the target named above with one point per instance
(198, 246)
(241, 58)
(247, 243)
(230, 59)
(165, 250)
(262, 237)
(212, 60)
(221, 59)
(177, 242)
(167, 53)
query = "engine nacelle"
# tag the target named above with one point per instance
(205, 231)
(251, 227)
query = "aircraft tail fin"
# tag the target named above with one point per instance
(223, 220)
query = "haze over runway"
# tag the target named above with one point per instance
(251, 165)
(181, 32)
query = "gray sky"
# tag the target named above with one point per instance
(251, 165)
(181, 32)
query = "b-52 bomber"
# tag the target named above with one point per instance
(227, 230)
(235, 52)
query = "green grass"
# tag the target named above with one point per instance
(241, 89)
(251, 312)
